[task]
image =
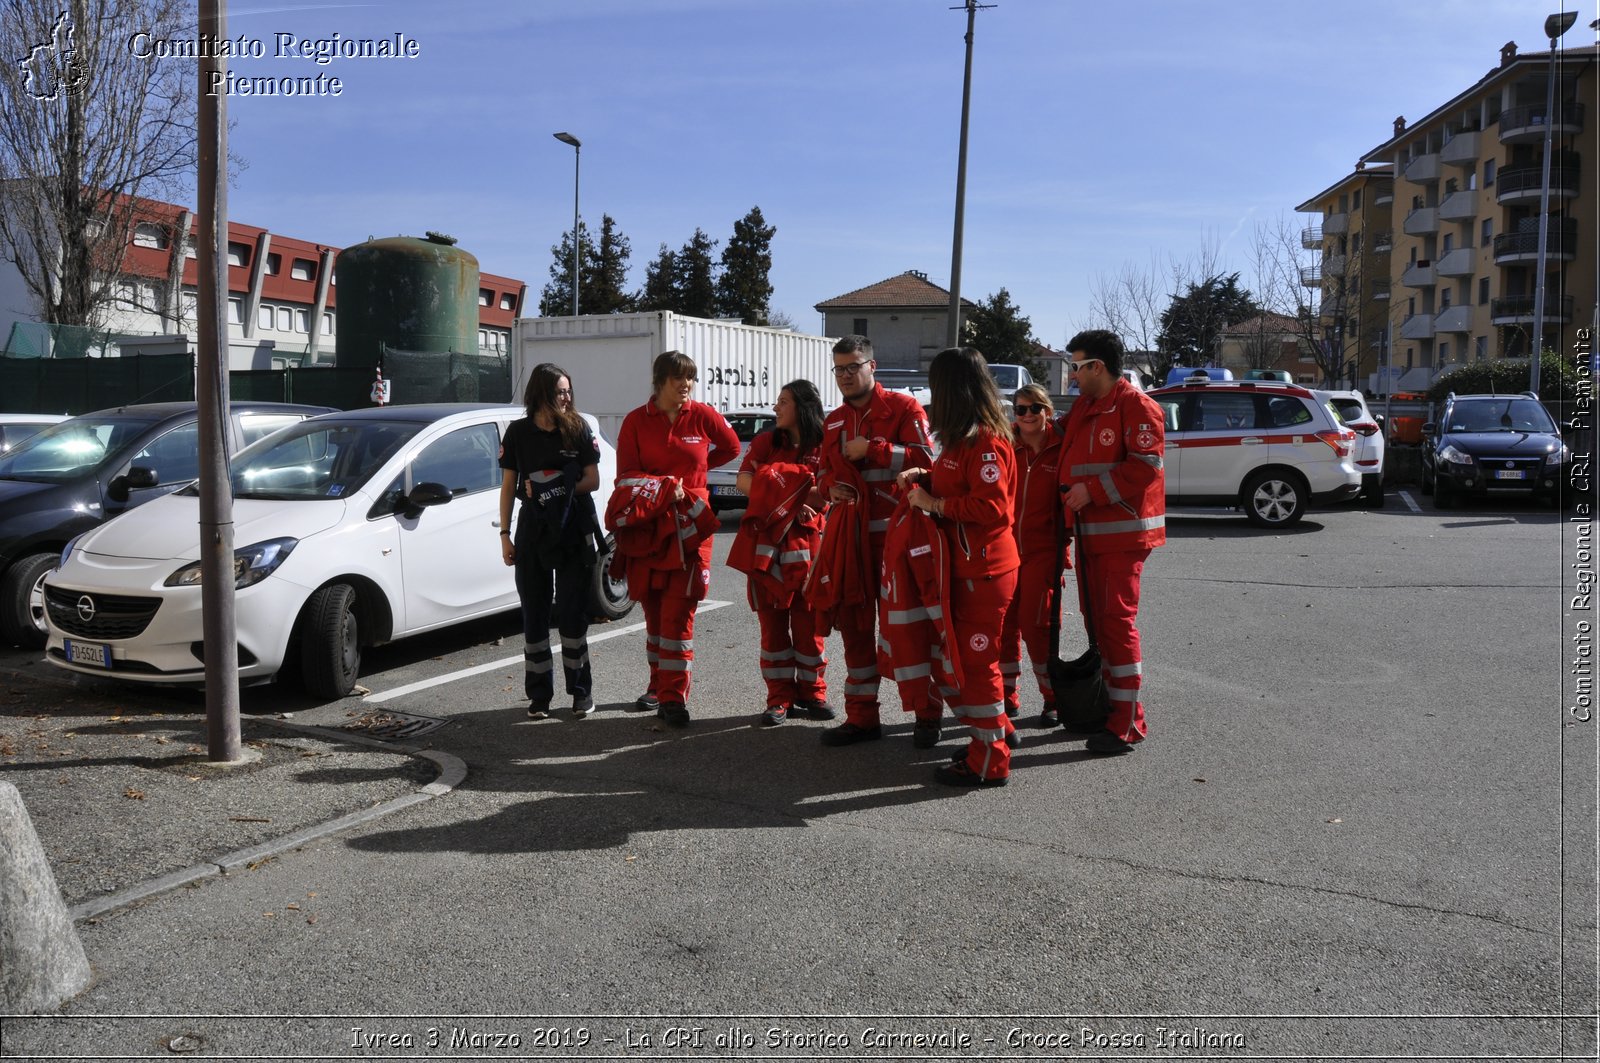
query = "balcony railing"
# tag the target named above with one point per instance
(1382, 193)
(1527, 122)
(1311, 237)
(1335, 265)
(1422, 221)
(1524, 247)
(1460, 150)
(1417, 327)
(1311, 276)
(1423, 168)
(1454, 319)
(1460, 262)
(1380, 288)
(1459, 206)
(1418, 275)
(1336, 224)
(1522, 184)
(1518, 310)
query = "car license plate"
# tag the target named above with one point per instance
(94, 654)
(1509, 474)
(727, 489)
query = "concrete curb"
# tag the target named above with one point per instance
(452, 772)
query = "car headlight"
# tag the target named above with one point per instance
(1455, 457)
(251, 564)
(66, 551)
(1555, 457)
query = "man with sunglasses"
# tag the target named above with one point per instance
(1113, 488)
(868, 441)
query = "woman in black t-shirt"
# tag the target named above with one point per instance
(552, 464)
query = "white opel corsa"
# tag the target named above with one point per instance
(351, 529)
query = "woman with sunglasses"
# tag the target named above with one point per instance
(969, 491)
(1036, 516)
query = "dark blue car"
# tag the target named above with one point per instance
(1499, 445)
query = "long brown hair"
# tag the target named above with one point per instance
(965, 398)
(540, 396)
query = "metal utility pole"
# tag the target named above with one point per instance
(577, 151)
(953, 327)
(1554, 27)
(220, 637)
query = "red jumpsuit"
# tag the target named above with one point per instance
(898, 430)
(1114, 446)
(649, 443)
(1034, 519)
(792, 661)
(974, 480)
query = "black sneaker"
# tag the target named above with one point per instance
(582, 706)
(961, 774)
(926, 735)
(1106, 744)
(848, 734)
(539, 711)
(1012, 711)
(1014, 739)
(675, 713)
(646, 702)
(1047, 719)
(814, 710)
(774, 715)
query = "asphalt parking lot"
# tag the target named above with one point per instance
(1363, 824)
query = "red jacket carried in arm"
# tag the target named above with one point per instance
(1114, 446)
(898, 432)
(777, 539)
(656, 534)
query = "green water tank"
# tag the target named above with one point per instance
(407, 294)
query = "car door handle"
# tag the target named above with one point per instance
(1251, 439)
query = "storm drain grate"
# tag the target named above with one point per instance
(394, 725)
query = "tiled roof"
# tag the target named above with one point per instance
(908, 289)
(1268, 323)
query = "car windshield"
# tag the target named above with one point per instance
(749, 425)
(1500, 415)
(1007, 378)
(317, 459)
(70, 449)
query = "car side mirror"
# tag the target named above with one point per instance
(137, 478)
(422, 496)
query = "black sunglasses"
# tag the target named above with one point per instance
(1024, 409)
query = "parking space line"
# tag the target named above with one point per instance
(478, 669)
(1406, 495)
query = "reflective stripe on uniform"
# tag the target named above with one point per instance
(1117, 671)
(1112, 494)
(1155, 461)
(1116, 526)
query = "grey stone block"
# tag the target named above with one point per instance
(42, 963)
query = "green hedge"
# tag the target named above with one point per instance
(1558, 379)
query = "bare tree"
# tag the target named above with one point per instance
(88, 124)
(1282, 269)
(1130, 305)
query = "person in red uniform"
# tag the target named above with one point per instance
(1114, 492)
(672, 435)
(792, 661)
(880, 434)
(1036, 518)
(969, 489)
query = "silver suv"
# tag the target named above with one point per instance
(1268, 448)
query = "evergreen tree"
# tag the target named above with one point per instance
(744, 290)
(1192, 322)
(660, 291)
(697, 277)
(556, 300)
(997, 328)
(606, 273)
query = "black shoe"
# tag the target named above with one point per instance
(926, 735)
(539, 710)
(814, 710)
(1012, 710)
(646, 702)
(848, 734)
(582, 706)
(675, 713)
(1106, 744)
(1047, 719)
(774, 715)
(960, 774)
(1014, 739)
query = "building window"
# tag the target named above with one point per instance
(188, 248)
(1488, 173)
(327, 323)
(235, 311)
(191, 304)
(1355, 202)
(301, 270)
(264, 317)
(238, 254)
(302, 321)
(274, 263)
(1482, 348)
(1444, 299)
(859, 326)
(485, 297)
(1488, 232)
(149, 234)
(1483, 290)
(508, 301)
(1449, 242)
(1444, 352)
(285, 320)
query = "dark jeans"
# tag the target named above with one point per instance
(570, 585)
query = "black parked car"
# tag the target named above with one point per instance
(1486, 445)
(85, 470)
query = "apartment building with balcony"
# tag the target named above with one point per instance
(1467, 183)
(1350, 229)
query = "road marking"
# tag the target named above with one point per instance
(478, 669)
(1410, 501)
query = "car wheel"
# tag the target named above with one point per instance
(330, 642)
(1273, 500)
(1444, 496)
(1372, 489)
(22, 600)
(610, 599)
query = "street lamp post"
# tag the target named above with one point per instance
(577, 152)
(953, 325)
(1554, 27)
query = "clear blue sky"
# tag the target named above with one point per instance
(1100, 134)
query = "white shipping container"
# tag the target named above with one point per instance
(608, 357)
